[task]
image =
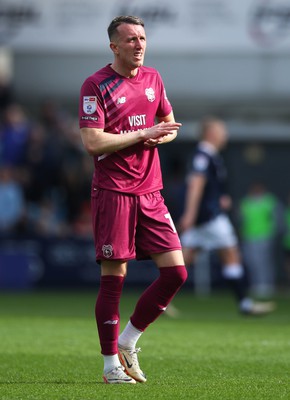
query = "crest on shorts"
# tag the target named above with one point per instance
(150, 94)
(107, 250)
(89, 104)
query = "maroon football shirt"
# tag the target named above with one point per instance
(120, 105)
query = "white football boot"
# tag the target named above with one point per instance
(250, 307)
(117, 375)
(129, 360)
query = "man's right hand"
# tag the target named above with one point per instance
(159, 131)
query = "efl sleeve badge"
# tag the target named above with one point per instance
(89, 104)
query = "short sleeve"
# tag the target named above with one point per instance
(91, 110)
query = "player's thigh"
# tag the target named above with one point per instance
(114, 267)
(168, 259)
(155, 232)
(114, 221)
(189, 255)
(192, 239)
(220, 234)
(229, 255)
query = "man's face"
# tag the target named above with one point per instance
(129, 45)
(221, 135)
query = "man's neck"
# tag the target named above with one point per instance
(123, 72)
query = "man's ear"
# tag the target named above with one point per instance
(114, 48)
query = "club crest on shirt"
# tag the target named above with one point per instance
(150, 94)
(89, 104)
(107, 250)
(200, 163)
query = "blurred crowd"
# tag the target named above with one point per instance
(45, 180)
(45, 175)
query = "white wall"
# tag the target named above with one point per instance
(231, 84)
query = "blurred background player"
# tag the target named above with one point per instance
(286, 241)
(204, 223)
(260, 224)
(118, 108)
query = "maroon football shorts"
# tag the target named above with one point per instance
(128, 226)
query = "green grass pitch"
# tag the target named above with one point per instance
(49, 350)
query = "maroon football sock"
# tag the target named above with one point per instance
(156, 298)
(107, 312)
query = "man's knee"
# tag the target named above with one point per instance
(177, 274)
(181, 274)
